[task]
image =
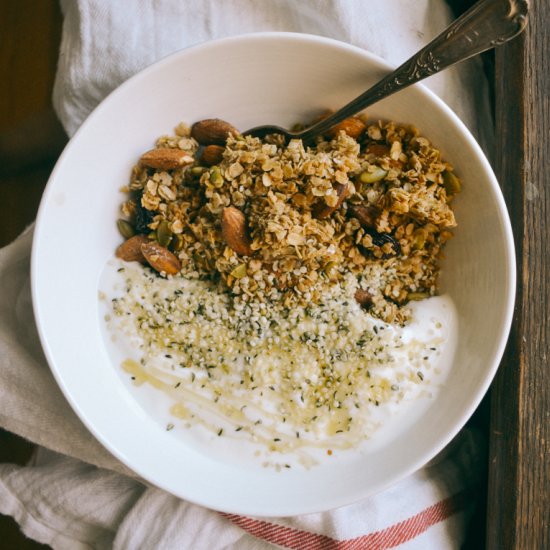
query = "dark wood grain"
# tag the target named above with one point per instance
(519, 457)
(30, 33)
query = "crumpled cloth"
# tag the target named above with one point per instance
(74, 494)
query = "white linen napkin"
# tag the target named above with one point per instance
(75, 494)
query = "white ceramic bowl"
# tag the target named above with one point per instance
(249, 80)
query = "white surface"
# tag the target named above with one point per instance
(433, 329)
(251, 80)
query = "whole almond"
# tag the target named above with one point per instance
(352, 126)
(212, 131)
(160, 258)
(130, 250)
(212, 154)
(322, 210)
(166, 159)
(235, 232)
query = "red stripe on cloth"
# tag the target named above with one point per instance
(392, 536)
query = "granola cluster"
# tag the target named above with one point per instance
(276, 222)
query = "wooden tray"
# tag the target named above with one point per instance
(518, 499)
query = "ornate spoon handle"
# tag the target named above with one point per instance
(486, 25)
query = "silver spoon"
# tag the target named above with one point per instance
(487, 24)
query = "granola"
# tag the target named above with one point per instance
(282, 223)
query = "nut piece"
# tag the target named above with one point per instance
(160, 258)
(212, 131)
(363, 298)
(365, 214)
(352, 126)
(166, 159)
(377, 149)
(212, 154)
(234, 231)
(322, 210)
(130, 250)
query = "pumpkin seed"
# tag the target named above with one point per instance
(216, 178)
(451, 183)
(197, 171)
(164, 235)
(125, 228)
(417, 296)
(330, 269)
(239, 272)
(419, 238)
(177, 243)
(372, 177)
